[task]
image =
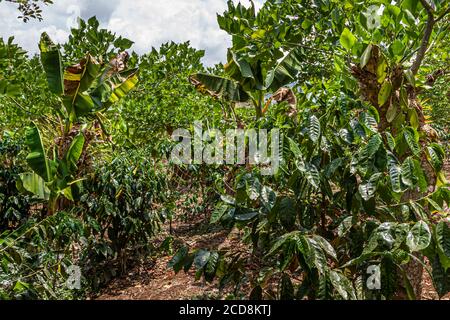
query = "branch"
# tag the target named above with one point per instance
(20, 106)
(442, 15)
(432, 77)
(426, 37)
(427, 6)
(30, 8)
(309, 47)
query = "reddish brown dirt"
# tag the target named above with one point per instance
(155, 281)
(428, 291)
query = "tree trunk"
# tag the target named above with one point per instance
(369, 89)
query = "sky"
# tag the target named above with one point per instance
(148, 23)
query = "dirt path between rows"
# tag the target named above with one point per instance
(155, 281)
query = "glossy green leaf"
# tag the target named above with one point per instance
(342, 285)
(313, 176)
(178, 259)
(394, 173)
(435, 205)
(201, 258)
(372, 146)
(436, 156)
(442, 232)
(211, 266)
(412, 139)
(245, 216)
(367, 189)
(314, 128)
(326, 246)
(420, 176)
(419, 237)
(391, 141)
(408, 175)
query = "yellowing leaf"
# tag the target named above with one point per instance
(366, 56)
(410, 77)
(391, 113)
(384, 93)
(414, 119)
(381, 70)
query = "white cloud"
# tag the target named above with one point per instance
(147, 22)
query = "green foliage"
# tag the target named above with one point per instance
(352, 179)
(88, 87)
(52, 62)
(51, 177)
(362, 180)
(100, 43)
(164, 99)
(15, 207)
(117, 208)
(12, 58)
(30, 9)
(35, 258)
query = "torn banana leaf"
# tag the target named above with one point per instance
(219, 87)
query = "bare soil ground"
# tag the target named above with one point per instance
(155, 281)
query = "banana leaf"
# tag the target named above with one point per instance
(77, 79)
(82, 105)
(219, 87)
(285, 72)
(37, 158)
(244, 68)
(114, 88)
(33, 183)
(52, 62)
(75, 151)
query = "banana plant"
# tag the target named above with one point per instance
(244, 82)
(84, 90)
(89, 87)
(254, 68)
(52, 177)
